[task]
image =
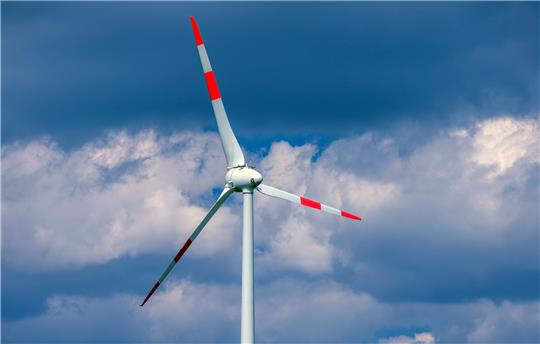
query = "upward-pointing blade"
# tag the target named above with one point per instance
(224, 195)
(233, 152)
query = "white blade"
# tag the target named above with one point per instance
(274, 192)
(233, 152)
(224, 195)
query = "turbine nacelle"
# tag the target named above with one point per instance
(241, 178)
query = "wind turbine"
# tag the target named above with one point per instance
(238, 178)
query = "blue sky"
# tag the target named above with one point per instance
(421, 117)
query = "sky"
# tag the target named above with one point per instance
(420, 117)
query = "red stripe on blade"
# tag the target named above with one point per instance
(198, 38)
(309, 203)
(212, 85)
(182, 250)
(349, 215)
(150, 293)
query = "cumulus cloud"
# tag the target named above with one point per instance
(184, 312)
(475, 188)
(502, 324)
(502, 142)
(472, 189)
(447, 224)
(418, 338)
(308, 312)
(124, 195)
(297, 238)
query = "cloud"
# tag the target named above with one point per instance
(419, 338)
(433, 251)
(501, 324)
(296, 238)
(286, 311)
(470, 189)
(501, 142)
(124, 195)
(348, 79)
(185, 311)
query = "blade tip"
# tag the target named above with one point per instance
(350, 216)
(154, 288)
(196, 33)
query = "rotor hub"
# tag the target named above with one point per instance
(241, 178)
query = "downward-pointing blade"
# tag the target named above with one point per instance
(224, 195)
(233, 152)
(275, 192)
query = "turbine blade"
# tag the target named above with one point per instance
(224, 195)
(233, 152)
(274, 192)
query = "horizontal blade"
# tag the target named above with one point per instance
(233, 152)
(274, 192)
(224, 195)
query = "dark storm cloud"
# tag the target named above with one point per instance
(72, 70)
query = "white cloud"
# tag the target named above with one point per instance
(501, 142)
(184, 311)
(447, 185)
(500, 324)
(419, 338)
(134, 194)
(286, 311)
(125, 195)
(298, 238)
(298, 245)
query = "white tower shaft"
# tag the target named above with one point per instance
(248, 314)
